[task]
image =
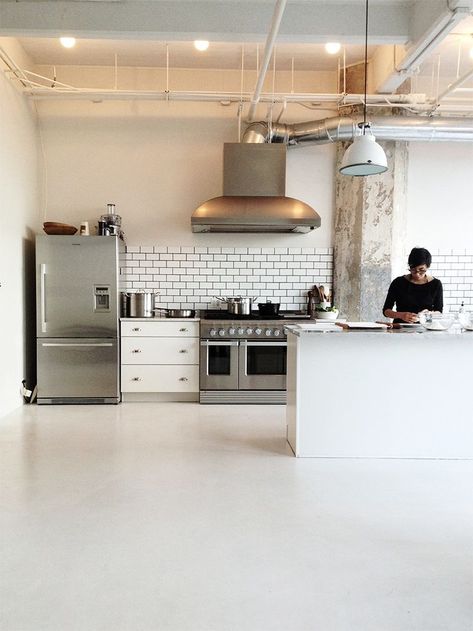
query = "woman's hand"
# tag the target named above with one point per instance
(408, 316)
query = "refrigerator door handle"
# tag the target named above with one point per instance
(43, 297)
(75, 344)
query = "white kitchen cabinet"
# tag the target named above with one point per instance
(159, 360)
(145, 350)
(165, 328)
(357, 416)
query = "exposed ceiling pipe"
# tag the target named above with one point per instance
(13, 68)
(423, 47)
(417, 103)
(268, 51)
(344, 129)
(38, 90)
(41, 87)
(453, 86)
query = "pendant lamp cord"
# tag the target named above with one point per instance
(366, 66)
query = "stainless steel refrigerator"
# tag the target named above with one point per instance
(77, 319)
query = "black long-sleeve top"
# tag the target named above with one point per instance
(411, 297)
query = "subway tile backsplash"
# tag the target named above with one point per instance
(455, 269)
(191, 277)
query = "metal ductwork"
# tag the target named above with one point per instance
(254, 200)
(342, 128)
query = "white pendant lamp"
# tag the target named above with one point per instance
(364, 156)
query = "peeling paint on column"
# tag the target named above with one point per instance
(400, 247)
(369, 222)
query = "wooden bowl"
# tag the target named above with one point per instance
(53, 227)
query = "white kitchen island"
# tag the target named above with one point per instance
(379, 394)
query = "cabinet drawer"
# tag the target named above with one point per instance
(160, 329)
(160, 378)
(160, 350)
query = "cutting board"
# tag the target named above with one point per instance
(361, 326)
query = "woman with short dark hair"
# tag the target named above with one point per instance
(414, 292)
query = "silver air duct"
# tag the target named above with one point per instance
(342, 128)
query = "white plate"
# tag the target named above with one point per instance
(468, 328)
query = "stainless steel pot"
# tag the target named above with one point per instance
(139, 304)
(242, 306)
(237, 305)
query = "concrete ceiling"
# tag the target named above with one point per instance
(137, 31)
(314, 21)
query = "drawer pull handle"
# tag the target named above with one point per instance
(183, 350)
(137, 328)
(183, 379)
(183, 330)
(136, 379)
(136, 350)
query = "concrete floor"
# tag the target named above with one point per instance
(144, 517)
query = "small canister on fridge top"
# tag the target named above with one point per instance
(84, 229)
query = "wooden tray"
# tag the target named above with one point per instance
(363, 326)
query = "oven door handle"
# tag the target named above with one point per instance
(262, 343)
(218, 343)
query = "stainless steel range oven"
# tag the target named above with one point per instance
(243, 361)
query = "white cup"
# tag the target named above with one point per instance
(84, 229)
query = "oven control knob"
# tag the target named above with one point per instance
(277, 332)
(213, 332)
(231, 331)
(258, 331)
(268, 332)
(249, 331)
(221, 332)
(240, 331)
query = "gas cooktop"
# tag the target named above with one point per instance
(220, 314)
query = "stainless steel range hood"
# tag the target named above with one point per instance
(254, 186)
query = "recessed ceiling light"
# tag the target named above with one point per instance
(201, 44)
(332, 47)
(68, 42)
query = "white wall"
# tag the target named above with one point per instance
(157, 162)
(19, 221)
(439, 196)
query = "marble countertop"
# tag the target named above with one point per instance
(311, 329)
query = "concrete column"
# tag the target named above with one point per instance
(370, 234)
